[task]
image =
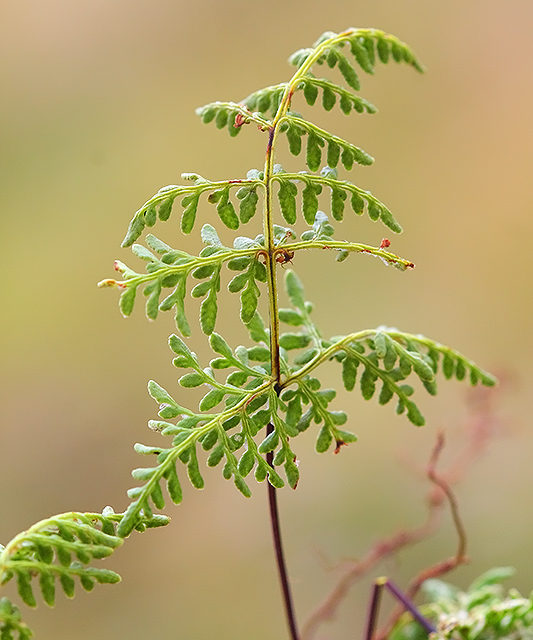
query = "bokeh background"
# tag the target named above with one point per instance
(97, 113)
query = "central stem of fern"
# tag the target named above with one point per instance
(270, 248)
(275, 360)
(271, 261)
(268, 220)
(276, 375)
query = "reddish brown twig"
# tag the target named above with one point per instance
(441, 568)
(480, 427)
(445, 488)
(382, 549)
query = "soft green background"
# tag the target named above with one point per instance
(97, 113)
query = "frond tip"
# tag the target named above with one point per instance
(363, 44)
(62, 548)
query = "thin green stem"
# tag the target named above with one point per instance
(268, 179)
(271, 259)
(302, 71)
(43, 567)
(326, 355)
(182, 267)
(276, 376)
(356, 247)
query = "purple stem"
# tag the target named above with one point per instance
(409, 606)
(373, 610)
(399, 595)
(280, 559)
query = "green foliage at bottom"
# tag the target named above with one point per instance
(11, 625)
(485, 611)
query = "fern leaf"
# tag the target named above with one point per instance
(359, 198)
(62, 548)
(227, 114)
(385, 356)
(193, 427)
(328, 48)
(162, 203)
(266, 100)
(271, 385)
(317, 138)
(376, 352)
(11, 625)
(232, 115)
(171, 270)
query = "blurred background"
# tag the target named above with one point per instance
(97, 114)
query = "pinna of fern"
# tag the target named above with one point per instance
(273, 383)
(59, 551)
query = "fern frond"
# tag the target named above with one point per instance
(360, 200)
(209, 429)
(383, 355)
(348, 100)
(171, 268)
(62, 548)
(231, 115)
(268, 99)
(390, 356)
(363, 43)
(219, 194)
(320, 237)
(244, 391)
(296, 127)
(257, 405)
(273, 385)
(11, 625)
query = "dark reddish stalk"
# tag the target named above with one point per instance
(278, 546)
(373, 611)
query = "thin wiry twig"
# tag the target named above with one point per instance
(443, 567)
(480, 427)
